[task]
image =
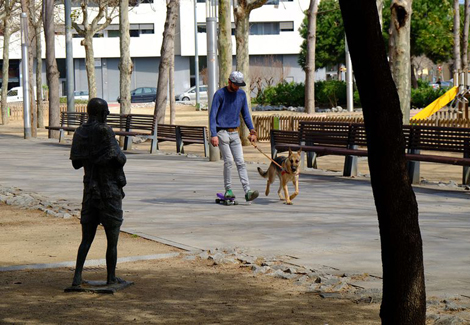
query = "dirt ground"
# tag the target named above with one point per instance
(166, 291)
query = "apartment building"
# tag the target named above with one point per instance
(274, 37)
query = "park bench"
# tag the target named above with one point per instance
(69, 122)
(323, 138)
(186, 135)
(133, 125)
(141, 125)
(349, 140)
(440, 140)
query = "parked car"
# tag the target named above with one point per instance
(15, 94)
(142, 95)
(80, 94)
(443, 84)
(190, 94)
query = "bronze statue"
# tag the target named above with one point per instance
(96, 149)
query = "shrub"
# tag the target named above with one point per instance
(330, 93)
(425, 95)
(287, 94)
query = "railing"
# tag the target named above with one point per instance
(16, 109)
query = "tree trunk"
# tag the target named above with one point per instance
(457, 62)
(404, 300)
(414, 80)
(168, 45)
(380, 7)
(125, 65)
(6, 62)
(32, 45)
(399, 47)
(224, 42)
(40, 111)
(172, 89)
(90, 65)
(243, 63)
(310, 60)
(465, 40)
(241, 13)
(106, 11)
(51, 66)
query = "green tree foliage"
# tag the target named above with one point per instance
(431, 28)
(329, 49)
(431, 32)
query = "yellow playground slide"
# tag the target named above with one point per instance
(437, 104)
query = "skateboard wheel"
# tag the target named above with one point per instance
(226, 202)
(217, 200)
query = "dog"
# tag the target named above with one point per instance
(289, 172)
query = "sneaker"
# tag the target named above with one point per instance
(229, 194)
(251, 195)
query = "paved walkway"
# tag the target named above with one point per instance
(332, 224)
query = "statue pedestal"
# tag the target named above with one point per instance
(99, 287)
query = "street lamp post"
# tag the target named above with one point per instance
(69, 57)
(211, 30)
(196, 58)
(25, 83)
(349, 80)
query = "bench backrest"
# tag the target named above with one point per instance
(285, 137)
(193, 134)
(117, 121)
(72, 119)
(143, 122)
(335, 134)
(166, 131)
(448, 139)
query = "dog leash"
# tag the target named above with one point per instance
(282, 169)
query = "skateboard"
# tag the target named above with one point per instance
(224, 200)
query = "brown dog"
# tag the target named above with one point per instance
(289, 172)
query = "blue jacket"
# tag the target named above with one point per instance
(226, 108)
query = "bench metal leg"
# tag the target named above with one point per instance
(413, 168)
(61, 136)
(206, 147)
(179, 140)
(311, 159)
(466, 171)
(127, 143)
(153, 145)
(350, 164)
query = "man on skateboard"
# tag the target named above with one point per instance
(224, 120)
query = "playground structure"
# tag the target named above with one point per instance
(457, 96)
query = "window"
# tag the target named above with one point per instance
(265, 28)
(114, 33)
(12, 93)
(286, 26)
(201, 28)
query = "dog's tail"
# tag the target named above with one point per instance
(263, 174)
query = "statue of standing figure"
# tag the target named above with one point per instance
(96, 149)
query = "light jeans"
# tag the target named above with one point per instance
(231, 150)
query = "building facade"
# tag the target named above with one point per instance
(274, 41)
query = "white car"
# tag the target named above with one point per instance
(190, 94)
(80, 94)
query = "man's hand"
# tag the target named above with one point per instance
(215, 141)
(253, 137)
